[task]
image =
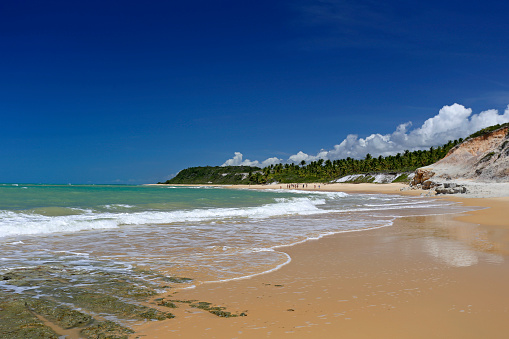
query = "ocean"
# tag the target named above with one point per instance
(204, 233)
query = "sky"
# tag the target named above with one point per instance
(132, 92)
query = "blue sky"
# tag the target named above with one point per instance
(132, 92)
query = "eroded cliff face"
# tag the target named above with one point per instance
(484, 158)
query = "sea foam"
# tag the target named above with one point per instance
(21, 223)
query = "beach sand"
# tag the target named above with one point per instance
(424, 277)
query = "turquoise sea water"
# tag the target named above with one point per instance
(207, 233)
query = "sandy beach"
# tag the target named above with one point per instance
(443, 276)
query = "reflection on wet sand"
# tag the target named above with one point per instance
(425, 277)
(459, 244)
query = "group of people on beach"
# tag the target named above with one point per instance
(290, 186)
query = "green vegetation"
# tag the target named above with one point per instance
(322, 170)
(487, 157)
(327, 170)
(487, 130)
(316, 171)
(227, 175)
(402, 178)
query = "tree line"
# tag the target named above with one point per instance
(320, 170)
(326, 170)
(315, 171)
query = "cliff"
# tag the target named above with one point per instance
(482, 158)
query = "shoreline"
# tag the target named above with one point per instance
(316, 294)
(392, 188)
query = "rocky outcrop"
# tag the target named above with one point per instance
(450, 188)
(484, 158)
(422, 176)
(423, 180)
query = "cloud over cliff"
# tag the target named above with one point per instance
(451, 122)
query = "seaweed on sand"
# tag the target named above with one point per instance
(206, 306)
(71, 298)
(18, 322)
(107, 330)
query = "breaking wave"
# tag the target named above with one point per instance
(25, 223)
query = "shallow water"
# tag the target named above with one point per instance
(207, 233)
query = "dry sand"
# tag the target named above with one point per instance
(423, 277)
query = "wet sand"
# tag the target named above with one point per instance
(434, 276)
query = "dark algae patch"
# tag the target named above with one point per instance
(107, 304)
(61, 315)
(215, 310)
(38, 302)
(18, 321)
(107, 330)
(35, 302)
(169, 304)
(206, 306)
(177, 280)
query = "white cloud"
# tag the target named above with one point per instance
(271, 161)
(451, 122)
(238, 161)
(235, 161)
(299, 157)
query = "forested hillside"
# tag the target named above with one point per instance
(315, 171)
(213, 175)
(327, 170)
